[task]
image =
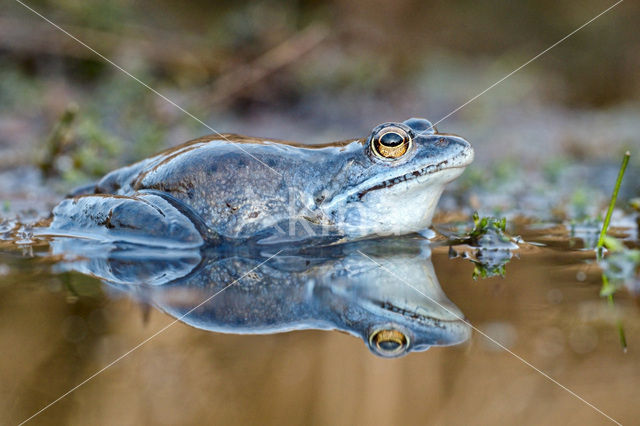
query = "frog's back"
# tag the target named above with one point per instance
(222, 159)
(123, 180)
(235, 185)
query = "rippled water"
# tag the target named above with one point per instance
(60, 325)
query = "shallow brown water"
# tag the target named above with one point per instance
(59, 328)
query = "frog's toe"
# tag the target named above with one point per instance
(140, 219)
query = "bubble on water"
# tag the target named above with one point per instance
(581, 275)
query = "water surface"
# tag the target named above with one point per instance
(65, 316)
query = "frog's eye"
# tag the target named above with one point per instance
(390, 142)
(388, 342)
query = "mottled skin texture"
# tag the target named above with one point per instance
(329, 288)
(277, 191)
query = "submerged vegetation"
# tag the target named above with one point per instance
(489, 247)
(494, 248)
(621, 268)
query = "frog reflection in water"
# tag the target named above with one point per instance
(335, 288)
(214, 189)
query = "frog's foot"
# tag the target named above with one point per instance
(142, 218)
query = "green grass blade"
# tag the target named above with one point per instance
(612, 203)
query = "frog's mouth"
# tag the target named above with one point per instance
(432, 319)
(431, 169)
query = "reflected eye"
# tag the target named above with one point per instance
(389, 343)
(390, 142)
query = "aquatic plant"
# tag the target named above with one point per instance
(58, 140)
(609, 286)
(487, 229)
(491, 247)
(79, 148)
(614, 197)
(618, 251)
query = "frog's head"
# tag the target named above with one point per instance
(393, 179)
(391, 299)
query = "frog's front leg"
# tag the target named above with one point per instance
(142, 218)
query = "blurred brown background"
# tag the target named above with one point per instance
(316, 72)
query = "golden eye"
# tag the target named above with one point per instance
(389, 342)
(390, 142)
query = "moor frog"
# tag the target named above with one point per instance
(230, 187)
